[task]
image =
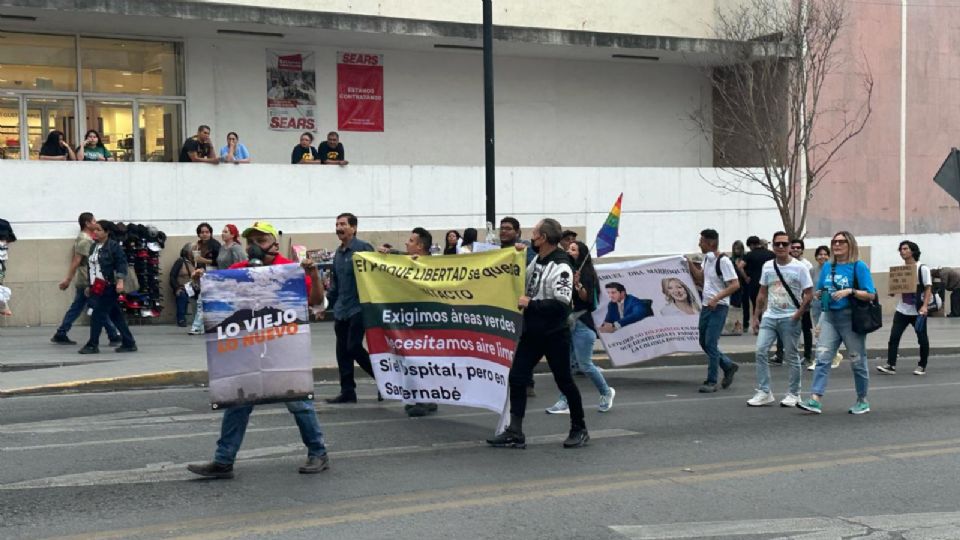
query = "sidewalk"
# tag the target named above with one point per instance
(168, 357)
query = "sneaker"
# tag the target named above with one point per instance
(560, 407)
(728, 376)
(116, 342)
(89, 349)
(577, 438)
(760, 399)
(212, 470)
(810, 405)
(315, 464)
(860, 407)
(888, 369)
(920, 371)
(342, 398)
(707, 387)
(836, 361)
(125, 349)
(182, 324)
(812, 366)
(193, 332)
(531, 392)
(417, 410)
(508, 439)
(777, 361)
(790, 400)
(606, 402)
(62, 339)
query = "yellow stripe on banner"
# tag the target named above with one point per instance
(491, 278)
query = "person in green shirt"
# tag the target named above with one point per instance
(93, 148)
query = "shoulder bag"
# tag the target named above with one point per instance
(867, 316)
(796, 303)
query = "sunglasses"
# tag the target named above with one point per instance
(781, 244)
(839, 241)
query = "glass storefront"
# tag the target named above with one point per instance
(131, 92)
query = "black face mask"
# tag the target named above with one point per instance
(257, 255)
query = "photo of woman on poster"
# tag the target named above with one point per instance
(680, 299)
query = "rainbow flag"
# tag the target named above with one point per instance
(607, 237)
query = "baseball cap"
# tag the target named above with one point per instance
(261, 226)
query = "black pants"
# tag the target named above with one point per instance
(105, 307)
(900, 323)
(349, 334)
(807, 326)
(556, 347)
(954, 302)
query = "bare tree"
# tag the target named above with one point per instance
(771, 124)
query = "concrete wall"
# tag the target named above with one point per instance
(549, 112)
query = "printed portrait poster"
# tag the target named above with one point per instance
(291, 91)
(359, 91)
(442, 329)
(258, 337)
(647, 309)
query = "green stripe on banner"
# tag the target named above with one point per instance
(434, 315)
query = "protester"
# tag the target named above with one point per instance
(949, 281)
(797, 246)
(545, 306)
(93, 148)
(718, 279)
(821, 255)
(753, 262)
(418, 245)
(510, 238)
(680, 299)
(181, 274)
(785, 293)
(56, 148)
(107, 267)
(205, 252)
(230, 252)
(466, 243)
(331, 150)
(450, 245)
(199, 149)
(568, 238)
(79, 269)
(583, 333)
(345, 302)
(842, 278)
(262, 244)
(304, 153)
(912, 310)
(235, 151)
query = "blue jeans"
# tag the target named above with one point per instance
(182, 302)
(106, 310)
(581, 353)
(198, 317)
(837, 327)
(80, 303)
(235, 421)
(787, 330)
(711, 326)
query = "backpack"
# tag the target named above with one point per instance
(720, 274)
(935, 302)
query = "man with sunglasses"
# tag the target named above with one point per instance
(786, 290)
(796, 251)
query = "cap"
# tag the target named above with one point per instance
(261, 226)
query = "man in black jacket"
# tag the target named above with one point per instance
(546, 304)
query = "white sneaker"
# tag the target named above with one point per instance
(812, 366)
(920, 371)
(790, 400)
(760, 399)
(560, 407)
(606, 402)
(836, 361)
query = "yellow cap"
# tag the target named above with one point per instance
(261, 226)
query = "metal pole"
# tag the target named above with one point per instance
(491, 182)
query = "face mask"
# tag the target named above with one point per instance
(257, 254)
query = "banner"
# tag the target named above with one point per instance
(258, 335)
(442, 329)
(359, 91)
(647, 309)
(291, 91)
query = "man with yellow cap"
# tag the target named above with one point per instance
(263, 250)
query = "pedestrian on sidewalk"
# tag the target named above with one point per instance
(7, 237)
(345, 303)
(546, 307)
(821, 255)
(181, 273)
(230, 252)
(841, 279)
(950, 281)
(78, 270)
(912, 310)
(262, 244)
(784, 297)
(107, 267)
(205, 252)
(718, 279)
(586, 291)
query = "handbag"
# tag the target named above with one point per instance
(98, 287)
(867, 316)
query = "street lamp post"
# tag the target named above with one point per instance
(491, 178)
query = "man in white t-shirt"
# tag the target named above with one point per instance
(786, 290)
(718, 279)
(909, 314)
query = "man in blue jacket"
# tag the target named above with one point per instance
(623, 308)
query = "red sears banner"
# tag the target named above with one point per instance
(359, 91)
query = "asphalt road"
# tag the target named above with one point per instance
(666, 462)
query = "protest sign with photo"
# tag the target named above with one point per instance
(359, 91)
(291, 91)
(442, 329)
(647, 309)
(258, 335)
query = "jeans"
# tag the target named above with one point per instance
(198, 317)
(235, 421)
(900, 323)
(106, 310)
(556, 347)
(349, 334)
(788, 330)
(581, 353)
(80, 303)
(837, 327)
(182, 302)
(711, 326)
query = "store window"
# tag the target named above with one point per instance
(38, 62)
(161, 131)
(9, 128)
(123, 66)
(113, 120)
(45, 115)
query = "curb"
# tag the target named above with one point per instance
(199, 378)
